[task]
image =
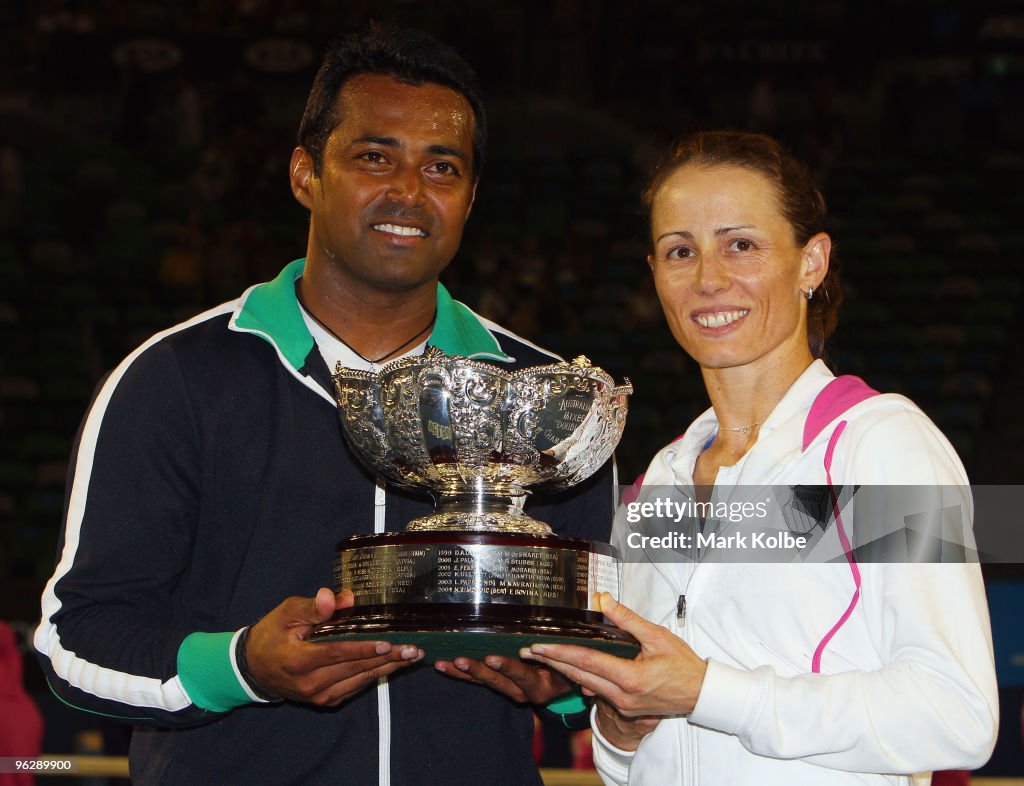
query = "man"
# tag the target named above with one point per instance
(211, 480)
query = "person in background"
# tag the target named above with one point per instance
(21, 724)
(812, 671)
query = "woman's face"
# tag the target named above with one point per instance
(729, 273)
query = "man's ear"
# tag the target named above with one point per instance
(816, 254)
(300, 173)
(472, 199)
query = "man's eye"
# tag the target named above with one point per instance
(373, 156)
(445, 168)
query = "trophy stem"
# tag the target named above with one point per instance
(482, 509)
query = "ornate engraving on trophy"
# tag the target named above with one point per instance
(558, 423)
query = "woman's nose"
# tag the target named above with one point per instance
(712, 276)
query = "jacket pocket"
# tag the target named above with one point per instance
(830, 654)
(785, 661)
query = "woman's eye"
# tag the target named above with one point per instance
(679, 252)
(742, 245)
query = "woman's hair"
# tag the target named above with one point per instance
(800, 201)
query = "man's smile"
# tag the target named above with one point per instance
(399, 230)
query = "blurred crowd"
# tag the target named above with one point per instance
(142, 178)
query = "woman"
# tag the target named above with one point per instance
(755, 673)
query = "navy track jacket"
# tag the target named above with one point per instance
(210, 481)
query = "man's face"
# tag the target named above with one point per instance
(396, 185)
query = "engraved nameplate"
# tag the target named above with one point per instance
(475, 573)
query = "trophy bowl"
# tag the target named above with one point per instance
(478, 576)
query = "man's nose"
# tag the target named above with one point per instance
(406, 186)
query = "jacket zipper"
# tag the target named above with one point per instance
(688, 741)
(383, 696)
(688, 769)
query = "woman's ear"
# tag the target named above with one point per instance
(816, 254)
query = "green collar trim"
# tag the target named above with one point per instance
(458, 331)
(271, 311)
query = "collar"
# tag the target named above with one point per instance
(458, 331)
(788, 415)
(271, 311)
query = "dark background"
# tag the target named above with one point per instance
(143, 153)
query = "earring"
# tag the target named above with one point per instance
(810, 292)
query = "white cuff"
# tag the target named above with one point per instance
(238, 672)
(728, 697)
(612, 763)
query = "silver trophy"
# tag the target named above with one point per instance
(478, 576)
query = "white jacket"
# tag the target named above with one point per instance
(907, 682)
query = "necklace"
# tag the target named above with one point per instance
(372, 361)
(737, 429)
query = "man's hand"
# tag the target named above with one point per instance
(522, 682)
(283, 664)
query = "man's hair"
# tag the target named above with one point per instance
(410, 56)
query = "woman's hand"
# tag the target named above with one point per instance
(622, 732)
(664, 679)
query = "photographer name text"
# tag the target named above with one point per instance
(713, 540)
